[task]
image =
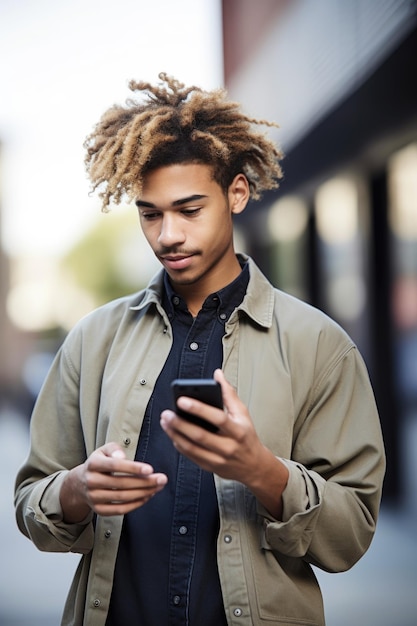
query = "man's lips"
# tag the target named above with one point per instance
(176, 261)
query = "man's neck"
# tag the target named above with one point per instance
(195, 294)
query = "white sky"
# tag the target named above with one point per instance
(62, 63)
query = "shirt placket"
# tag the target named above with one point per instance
(187, 492)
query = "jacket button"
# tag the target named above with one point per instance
(237, 612)
(107, 534)
(96, 603)
(142, 381)
(126, 441)
(227, 539)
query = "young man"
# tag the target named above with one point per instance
(176, 524)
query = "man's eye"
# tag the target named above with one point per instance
(150, 216)
(191, 212)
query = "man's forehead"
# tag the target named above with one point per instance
(177, 181)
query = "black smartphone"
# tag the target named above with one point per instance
(206, 390)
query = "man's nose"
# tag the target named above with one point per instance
(171, 232)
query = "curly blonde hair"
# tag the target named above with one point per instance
(177, 124)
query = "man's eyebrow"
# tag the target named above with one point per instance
(150, 205)
(192, 198)
(142, 203)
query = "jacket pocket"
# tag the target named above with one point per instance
(285, 589)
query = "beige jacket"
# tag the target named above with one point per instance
(309, 396)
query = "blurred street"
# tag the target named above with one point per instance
(379, 591)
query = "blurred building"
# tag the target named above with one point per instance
(13, 345)
(3, 291)
(341, 232)
(7, 370)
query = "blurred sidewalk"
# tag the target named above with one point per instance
(33, 584)
(381, 590)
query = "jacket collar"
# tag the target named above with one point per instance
(258, 302)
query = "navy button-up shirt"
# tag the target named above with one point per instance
(166, 569)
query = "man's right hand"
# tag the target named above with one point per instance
(108, 484)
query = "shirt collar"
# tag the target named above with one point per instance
(224, 301)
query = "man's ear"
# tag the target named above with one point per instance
(238, 193)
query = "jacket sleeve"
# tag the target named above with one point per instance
(56, 446)
(332, 499)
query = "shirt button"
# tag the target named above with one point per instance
(176, 300)
(183, 530)
(176, 600)
(194, 345)
(237, 612)
(227, 539)
(223, 316)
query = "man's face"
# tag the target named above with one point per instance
(187, 220)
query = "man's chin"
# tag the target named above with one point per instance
(176, 278)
